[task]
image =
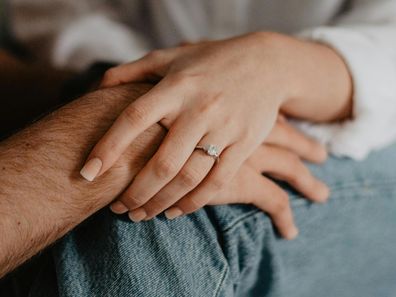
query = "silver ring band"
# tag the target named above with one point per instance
(210, 150)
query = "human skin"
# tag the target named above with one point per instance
(226, 93)
(42, 195)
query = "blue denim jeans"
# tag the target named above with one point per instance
(346, 247)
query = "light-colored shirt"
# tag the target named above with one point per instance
(74, 34)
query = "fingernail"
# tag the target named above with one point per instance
(118, 207)
(91, 169)
(137, 215)
(292, 234)
(173, 213)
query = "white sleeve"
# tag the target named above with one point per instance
(74, 34)
(365, 37)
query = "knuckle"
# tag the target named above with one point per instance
(189, 178)
(295, 177)
(218, 183)
(211, 104)
(298, 180)
(193, 204)
(218, 98)
(134, 114)
(299, 175)
(154, 54)
(281, 203)
(110, 75)
(204, 108)
(133, 201)
(154, 207)
(294, 162)
(181, 79)
(228, 121)
(164, 168)
(248, 136)
(188, 81)
(305, 181)
(107, 148)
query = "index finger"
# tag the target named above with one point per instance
(136, 118)
(151, 64)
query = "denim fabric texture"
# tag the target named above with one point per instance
(346, 247)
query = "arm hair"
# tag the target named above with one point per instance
(42, 195)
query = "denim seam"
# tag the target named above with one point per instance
(241, 220)
(302, 202)
(222, 278)
(266, 224)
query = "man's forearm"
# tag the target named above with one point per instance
(41, 193)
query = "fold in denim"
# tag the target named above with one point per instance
(346, 247)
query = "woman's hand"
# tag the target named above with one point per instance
(279, 157)
(250, 187)
(225, 93)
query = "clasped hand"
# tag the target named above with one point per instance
(226, 93)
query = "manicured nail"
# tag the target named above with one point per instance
(118, 207)
(173, 213)
(292, 234)
(137, 215)
(91, 169)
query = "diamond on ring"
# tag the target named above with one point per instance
(210, 150)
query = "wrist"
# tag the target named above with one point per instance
(315, 83)
(42, 194)
(276, 60)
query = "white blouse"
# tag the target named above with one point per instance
(73, 34)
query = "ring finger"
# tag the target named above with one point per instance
(174, 151)
(191, 175)
(218, 178)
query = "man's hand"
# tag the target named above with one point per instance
(279, 157)
(42, 195)
(223, 93)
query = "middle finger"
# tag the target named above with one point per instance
(173, 153)
(191, 175)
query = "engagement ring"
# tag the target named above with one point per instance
(210, 150)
